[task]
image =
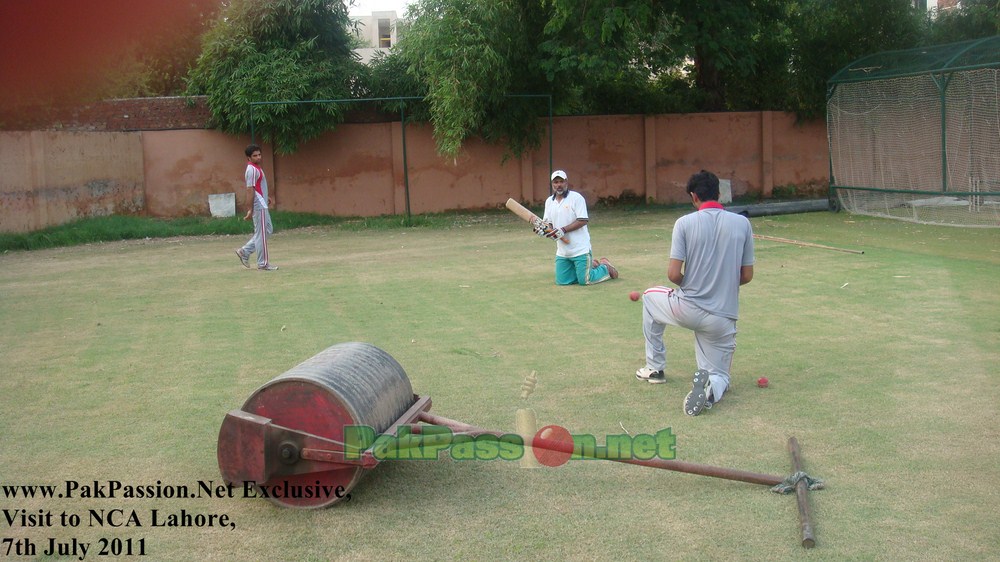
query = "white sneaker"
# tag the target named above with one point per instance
(268, 267)
(700, 397)
(650, 376)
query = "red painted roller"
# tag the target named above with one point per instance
(346, 384)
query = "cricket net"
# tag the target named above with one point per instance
(919, 145)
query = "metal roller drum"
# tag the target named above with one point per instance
(346, 384)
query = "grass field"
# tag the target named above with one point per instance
(120, 360)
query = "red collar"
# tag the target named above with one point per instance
(710, 205)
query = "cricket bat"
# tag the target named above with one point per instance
(526, 215)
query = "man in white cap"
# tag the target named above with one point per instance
(565, 221)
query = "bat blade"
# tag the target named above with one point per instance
(521, 211)
(525, 214)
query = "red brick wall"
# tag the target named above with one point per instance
(138, 114)
(155, 157)
(143, 114)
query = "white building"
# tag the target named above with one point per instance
(377, 32)
(936, 5)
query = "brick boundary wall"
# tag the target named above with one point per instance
(134, 114)
(152, 114)
(104, 157)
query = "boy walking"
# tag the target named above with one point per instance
(257, 207)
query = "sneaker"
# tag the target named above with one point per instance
(268, 267)
(611, 269)
(243, 258)
(650, 376)
(699, 399)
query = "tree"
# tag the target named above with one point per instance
(597, 56)
(746, 46)
(729, 42)
(601, 55)
(471, 56)
(387, 76)
(972, 20)
(672, 55)
(157, 62)
(829, 34)
(277, 51)
(638, 56)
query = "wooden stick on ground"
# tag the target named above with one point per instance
(806, 244)
(568, 448)
(801, 487)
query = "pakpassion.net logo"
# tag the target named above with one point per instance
(552, 445)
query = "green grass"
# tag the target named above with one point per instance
(115, 228)
(120, 360)
(121, 227)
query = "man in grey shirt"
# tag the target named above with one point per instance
(711, 255)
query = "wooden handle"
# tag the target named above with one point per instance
(523, 212)
(801, 487)
(805, 244)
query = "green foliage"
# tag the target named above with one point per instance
(829, 34)
(724, 38)
(596, 41)
(138, 72)
(606, 57)
(972, 20)
(471, 54)
(276, 51)
(618, 55)
(474, 60)
(763, 83)
(387, 76)
(122, 227)
(157, 63)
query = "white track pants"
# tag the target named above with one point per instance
(714, 336)
(258, 242)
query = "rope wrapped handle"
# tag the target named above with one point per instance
(787, 485)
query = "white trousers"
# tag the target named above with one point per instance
(714, 336)
(262, 228)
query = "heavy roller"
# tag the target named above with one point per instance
(289, 439)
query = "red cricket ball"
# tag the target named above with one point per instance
(555, 435)
(762, 382)
(634, 295)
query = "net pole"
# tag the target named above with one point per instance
(831, 192)
(406, 168)
(550, 141)
(942, 84)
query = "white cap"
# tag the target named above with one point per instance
(558, 174)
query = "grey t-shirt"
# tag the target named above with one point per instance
(713, 244)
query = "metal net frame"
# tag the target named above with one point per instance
(401, 102)
(915, 135)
